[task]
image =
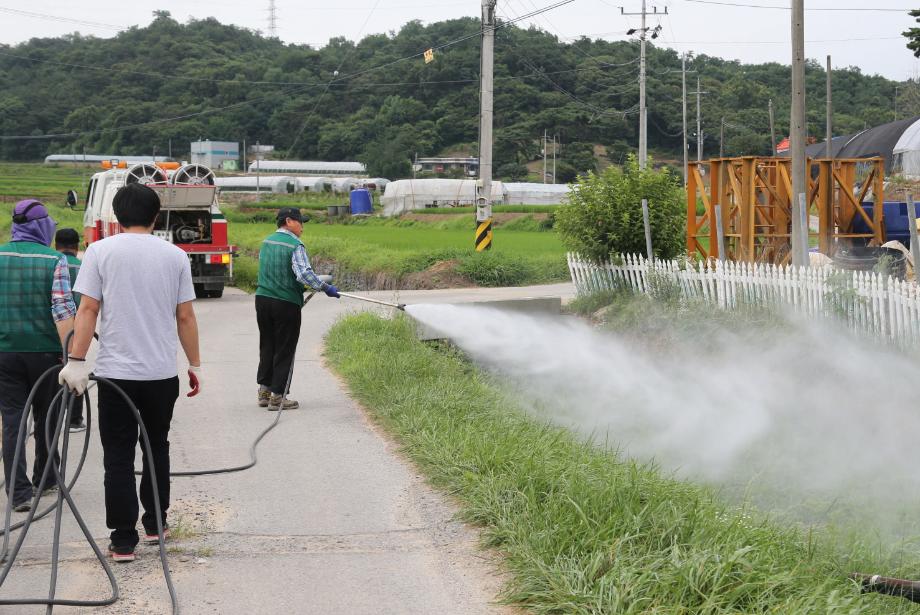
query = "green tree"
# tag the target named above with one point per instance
(913, 34)
(603, 215)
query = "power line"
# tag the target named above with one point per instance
(786, 8)
(81, 22)
(344, 78)
(786, 42)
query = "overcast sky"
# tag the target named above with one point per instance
(869, 39)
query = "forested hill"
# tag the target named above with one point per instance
(138, 90)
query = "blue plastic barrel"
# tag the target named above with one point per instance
(361, 202)
(897, 225)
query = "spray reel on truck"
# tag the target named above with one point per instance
(145, 173)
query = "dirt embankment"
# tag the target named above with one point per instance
(442, 274)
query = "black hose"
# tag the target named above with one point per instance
(67, 400)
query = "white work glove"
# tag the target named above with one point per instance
(75, 375)
(194, 380)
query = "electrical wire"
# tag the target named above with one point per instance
(317, 84)
(251, 101)
(80, 22)
(787, 7)
(328, 85)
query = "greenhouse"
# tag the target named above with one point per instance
(535, 194)
(308, 167)
(897, 142)
(410, 194)
(277, 184)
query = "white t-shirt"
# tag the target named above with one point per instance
(139, 280)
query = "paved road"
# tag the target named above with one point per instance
(331, 520)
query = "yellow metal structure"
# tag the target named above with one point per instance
(754, 197)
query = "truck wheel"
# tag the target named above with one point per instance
(200, 292)
(216, 293)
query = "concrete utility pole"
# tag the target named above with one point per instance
(554, 159)
(544, 155)
(258, 156)
(683, 80)
(772, 131)
(699, 121)
(483, 238)
(797, 137)
(830, 112)
(722, 138)
(643, 107)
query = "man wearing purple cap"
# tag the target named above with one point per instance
(36, 314)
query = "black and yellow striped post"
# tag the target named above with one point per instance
(484, 235)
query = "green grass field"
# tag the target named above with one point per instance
(49, 183)
(580, 528)
(361, 252)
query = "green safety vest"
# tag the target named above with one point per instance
(26, 276)
(276, 277)
(73, 267)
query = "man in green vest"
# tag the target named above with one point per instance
(284, 272)
(36, 314)
(67, 242)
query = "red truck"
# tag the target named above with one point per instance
(190, 216)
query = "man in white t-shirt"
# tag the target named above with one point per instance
(139, 288)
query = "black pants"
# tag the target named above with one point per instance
(19, 372)
(119, 433)
(279, 329)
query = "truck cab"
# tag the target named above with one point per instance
(190, 216)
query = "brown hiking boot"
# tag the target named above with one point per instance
(279, 402)
(264, 395)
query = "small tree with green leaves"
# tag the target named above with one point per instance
(603, 215)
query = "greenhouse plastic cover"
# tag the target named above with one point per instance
(411, 194)
(268, 183)
(535, 194)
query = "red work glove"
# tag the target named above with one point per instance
(194, 380)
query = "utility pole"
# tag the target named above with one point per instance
(722, 138)
(896, 88)
(772, 131)
(483, 237)
(830, 112)
(797, 137)
(554, 159)
(643, 107)
(699, 121)
(683, 80)
(544, 155)
(258, 179)
(245, 168)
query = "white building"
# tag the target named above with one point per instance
(212, 153)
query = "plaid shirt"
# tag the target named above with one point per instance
(62, 304)
(300, 264)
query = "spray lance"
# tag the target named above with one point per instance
(398, 306)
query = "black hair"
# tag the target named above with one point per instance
(67, 238)
(136, 205)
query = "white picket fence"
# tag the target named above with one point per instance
(868, 302)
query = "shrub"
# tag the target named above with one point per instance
(604, 213)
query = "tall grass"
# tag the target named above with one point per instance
(582, 529)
